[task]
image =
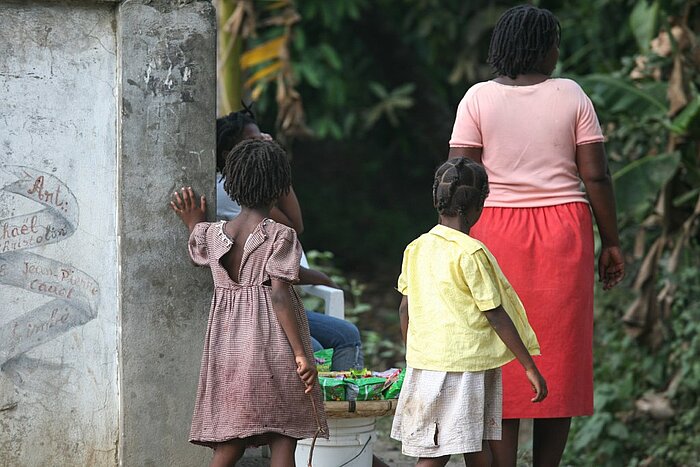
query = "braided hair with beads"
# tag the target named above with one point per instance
(460, 185)
(522, 37)
(257, 173)
(229, 132)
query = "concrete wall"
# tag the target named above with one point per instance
(107, 107)
(168, 89)
(58, 246)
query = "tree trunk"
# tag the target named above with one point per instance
(228, 61)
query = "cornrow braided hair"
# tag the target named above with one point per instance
(522, 37)
(229, 131)
(257, 173)
(460, 185)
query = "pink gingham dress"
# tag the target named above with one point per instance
(248, 384)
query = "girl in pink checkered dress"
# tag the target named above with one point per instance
(257, 381)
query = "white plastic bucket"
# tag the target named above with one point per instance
(350, 444)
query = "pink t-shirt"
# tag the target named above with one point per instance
(529, 136)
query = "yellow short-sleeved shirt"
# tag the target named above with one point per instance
(451, 279)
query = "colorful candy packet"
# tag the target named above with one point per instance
(324, 358)
(392, 392)
(364, 389)
(333, 389)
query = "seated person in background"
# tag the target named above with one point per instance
(231, 130)
(326, 332)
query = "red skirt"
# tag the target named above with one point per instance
(547, 255)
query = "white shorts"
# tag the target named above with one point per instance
(442, 413)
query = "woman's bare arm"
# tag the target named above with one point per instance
(288, 212)
(470, 152)
(308, 276)
(593, 169)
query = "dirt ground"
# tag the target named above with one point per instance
(389, 450)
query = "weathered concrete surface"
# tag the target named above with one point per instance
(107, 107)
(58, 244)
(168, 86)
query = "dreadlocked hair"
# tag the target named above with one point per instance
(522, 37)
(229, 131)
(460, 185)
(257, 173)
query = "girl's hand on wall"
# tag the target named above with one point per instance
(185, 206)
(611, 266)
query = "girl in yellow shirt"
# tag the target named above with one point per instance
(465, 323)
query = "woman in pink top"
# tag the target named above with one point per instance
(538, 138)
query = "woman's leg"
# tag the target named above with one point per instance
(482, 458)
(341, 336)
(282, 451)
(316, 345)
(226, 454)
(549, 437)
(433, 461)
(505, 451)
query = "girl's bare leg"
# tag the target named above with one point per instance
(228, 453)
(282, 451)
(505, 451)
(549, 440)
(479, 459)
(433, 461)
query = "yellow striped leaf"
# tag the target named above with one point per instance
(263, 52)
(257, 91)
(263, 73)
(277, 5)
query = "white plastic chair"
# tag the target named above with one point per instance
(333, 299)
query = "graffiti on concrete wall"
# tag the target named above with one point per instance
(74, 295)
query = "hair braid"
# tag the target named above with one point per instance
(257, 173)
(460, 185)
(521, 39)
(229, 131)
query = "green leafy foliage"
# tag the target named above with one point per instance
(687, 122)
(638, 183)
(643, 23)
(617, 96)
(390, 103)
(619, 433)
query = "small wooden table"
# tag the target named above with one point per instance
(360, 409)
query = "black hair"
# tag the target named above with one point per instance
(521, 39)
(257, 173)
(460, 185)
(229, 131)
